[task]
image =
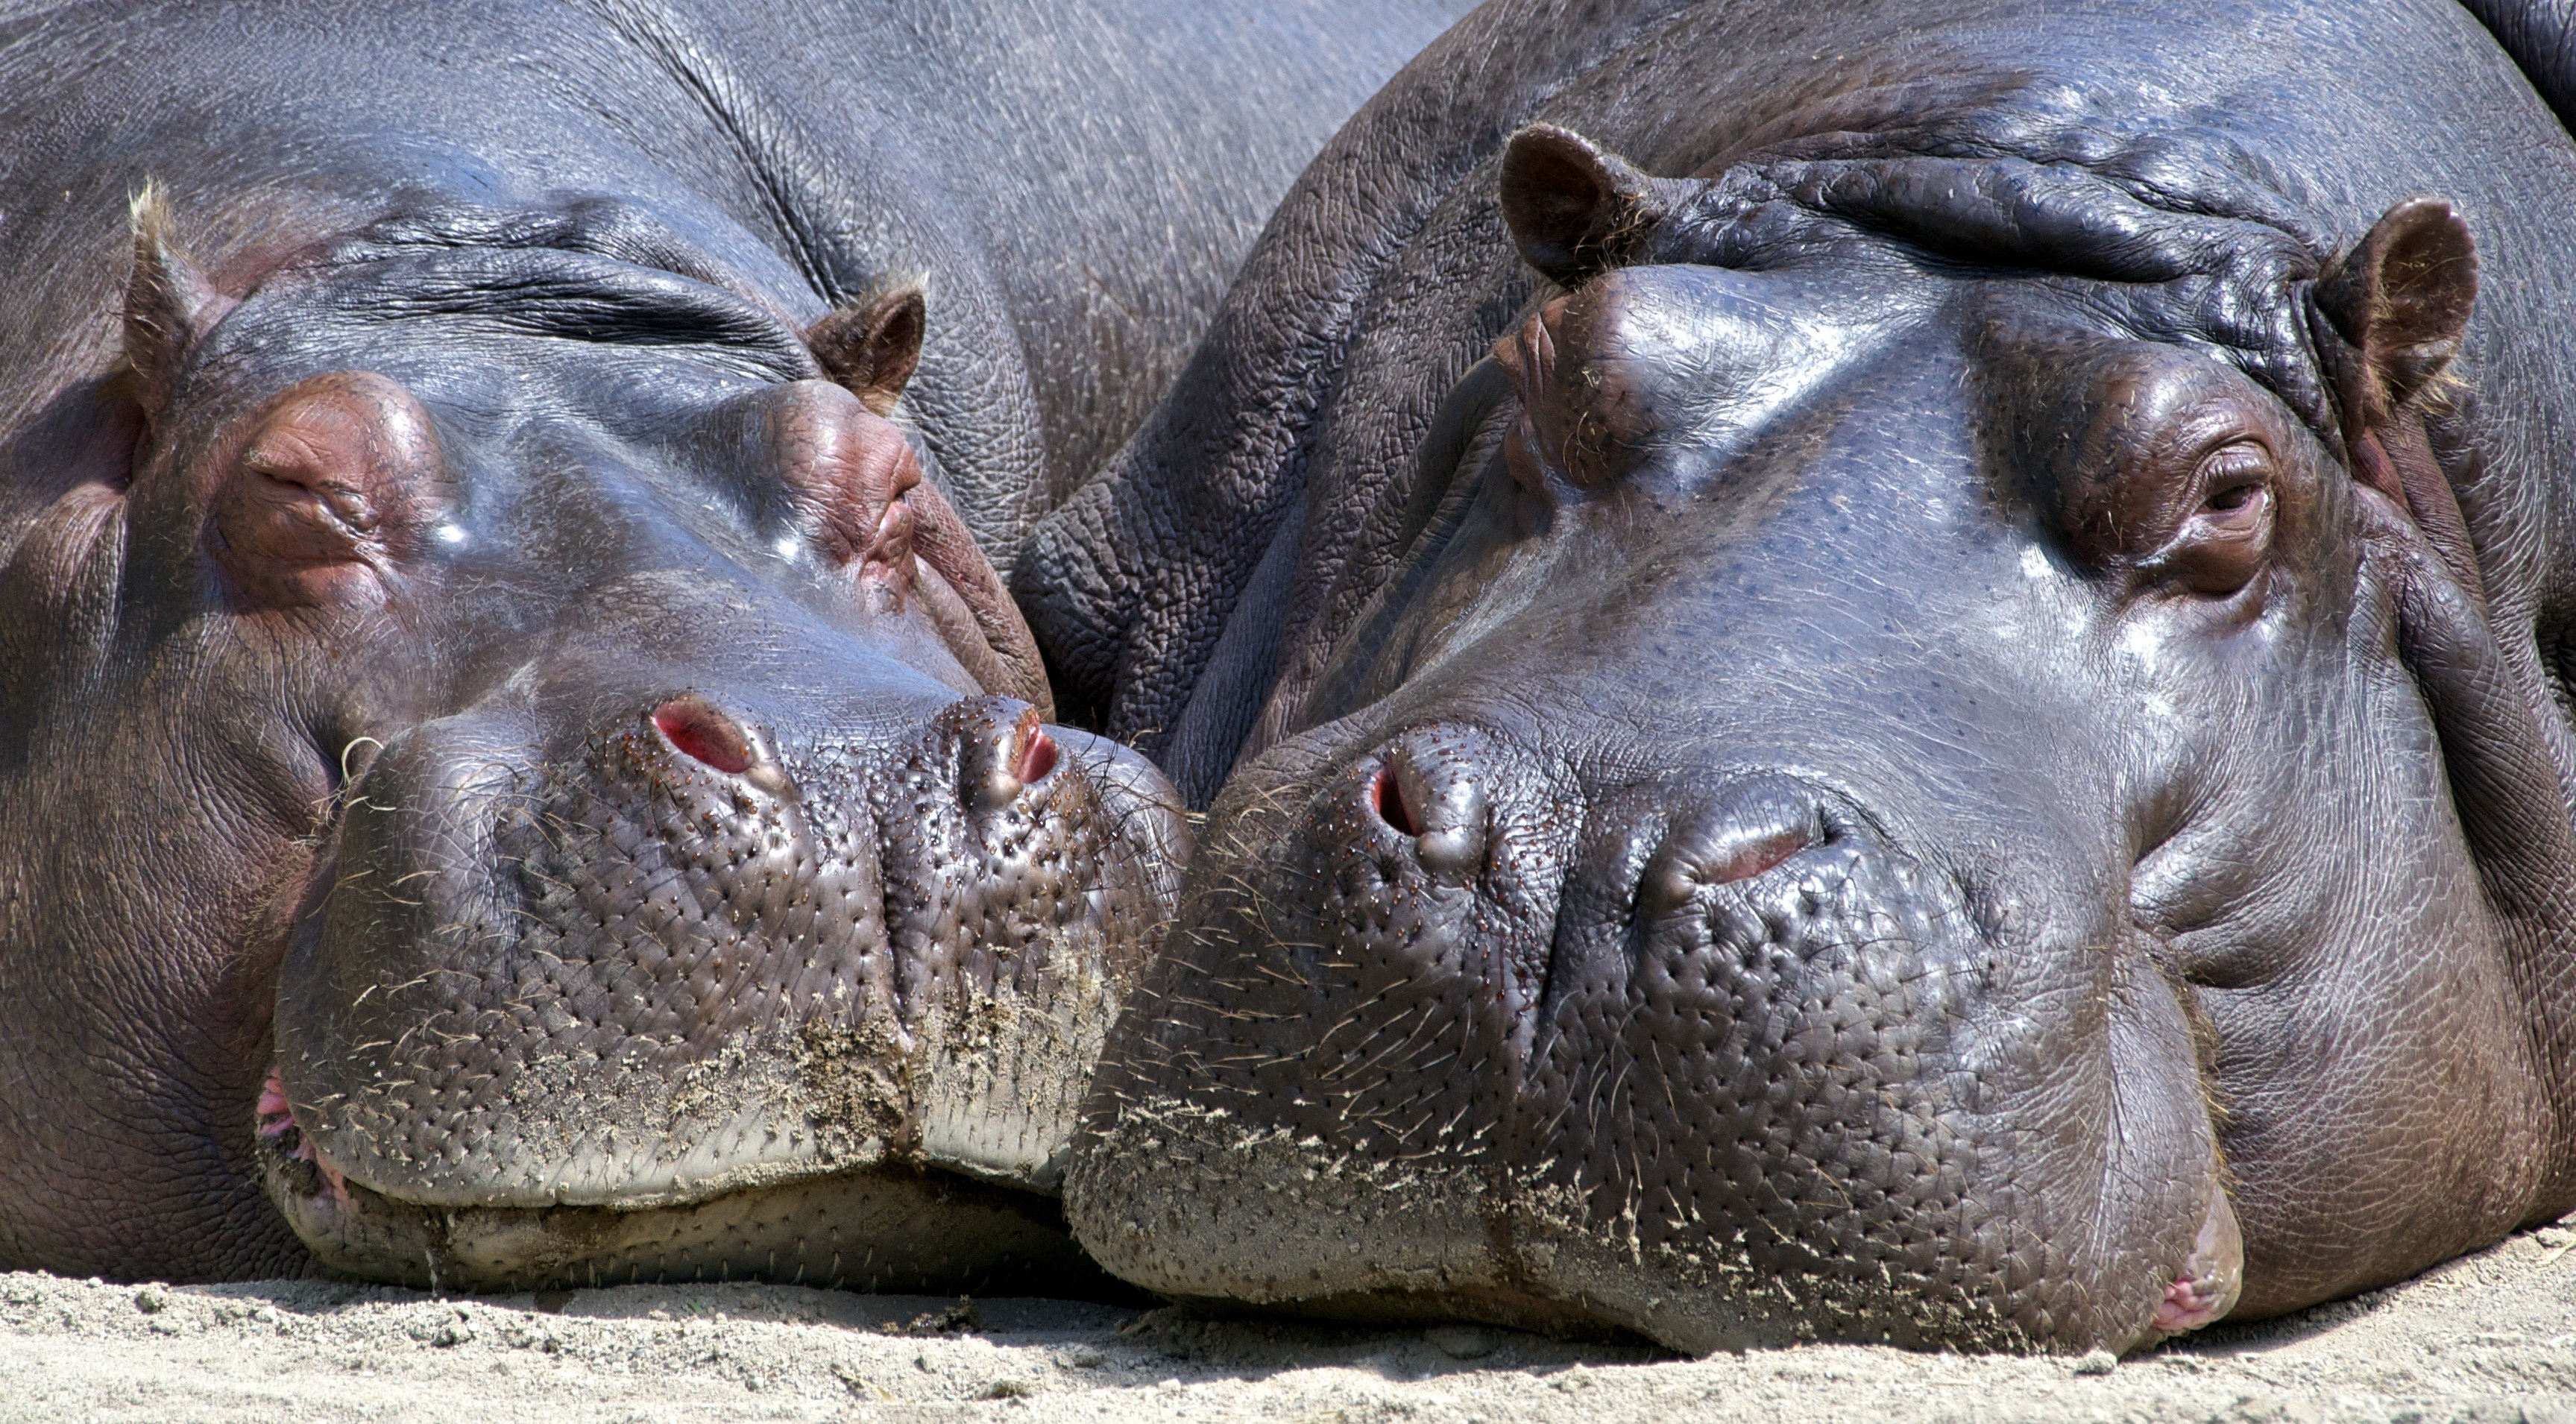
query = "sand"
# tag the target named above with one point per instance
(2489, 1338)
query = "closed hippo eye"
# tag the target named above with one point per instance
(2223, 541)
(2178, 482)
(331, 488)
(1590, 407)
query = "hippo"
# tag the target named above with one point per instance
(519, 772)
(1897, 672)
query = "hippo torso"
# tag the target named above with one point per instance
(1930, 706)
(489, 514)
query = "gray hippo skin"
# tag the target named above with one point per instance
(506, 734)
(1932, 709)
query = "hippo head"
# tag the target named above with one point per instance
(1926, 780)
(552, 663)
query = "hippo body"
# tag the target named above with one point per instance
(1901, 675)
(490, 502)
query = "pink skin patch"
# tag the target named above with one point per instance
(1037, 750)
(1755, 857)
(2211, 1275)
(2190, 1304)
(277, 1118)
(703, 733)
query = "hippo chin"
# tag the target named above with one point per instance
(1933, 709)
(514, 767)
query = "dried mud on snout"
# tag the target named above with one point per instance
(2489, 1337)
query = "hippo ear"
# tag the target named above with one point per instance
(2400, 300)
(1573, 208)
(2398, 303)
(870, 349)
(168, 302)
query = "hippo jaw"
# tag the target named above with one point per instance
(884, 1228)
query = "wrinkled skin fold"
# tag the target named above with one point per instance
(1924, 700)
(516, 768)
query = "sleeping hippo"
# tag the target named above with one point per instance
(510, 738)
(1886, 672)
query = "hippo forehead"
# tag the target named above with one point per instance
(533, 362)
(470, 303)
(2152, 241)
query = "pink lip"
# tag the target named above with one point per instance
(2191, 1303)
(2212, 1275)
(277, 1118)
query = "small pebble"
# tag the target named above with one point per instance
(2098, 1362)
(152, 1300)
(1461, 1342)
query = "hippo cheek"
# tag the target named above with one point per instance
(1718, 1064)
(674, 1002)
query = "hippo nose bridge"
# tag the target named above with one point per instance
(999, 747)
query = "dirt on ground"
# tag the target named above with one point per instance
(2489, 1338)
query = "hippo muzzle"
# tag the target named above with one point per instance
(696, 990)
(1718, 1059)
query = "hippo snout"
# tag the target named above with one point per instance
(1719, 1058)
(713, 958)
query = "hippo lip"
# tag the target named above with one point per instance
(863, 1230)
(282, 1134)
(2211, 1276)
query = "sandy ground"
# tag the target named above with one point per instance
(2491, 1338)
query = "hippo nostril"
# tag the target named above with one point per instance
(999, 770)
(1387, 795)
(1037, 751)
(1751, 858)
(1426, 793)
(705, 734)
(1753, 828)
